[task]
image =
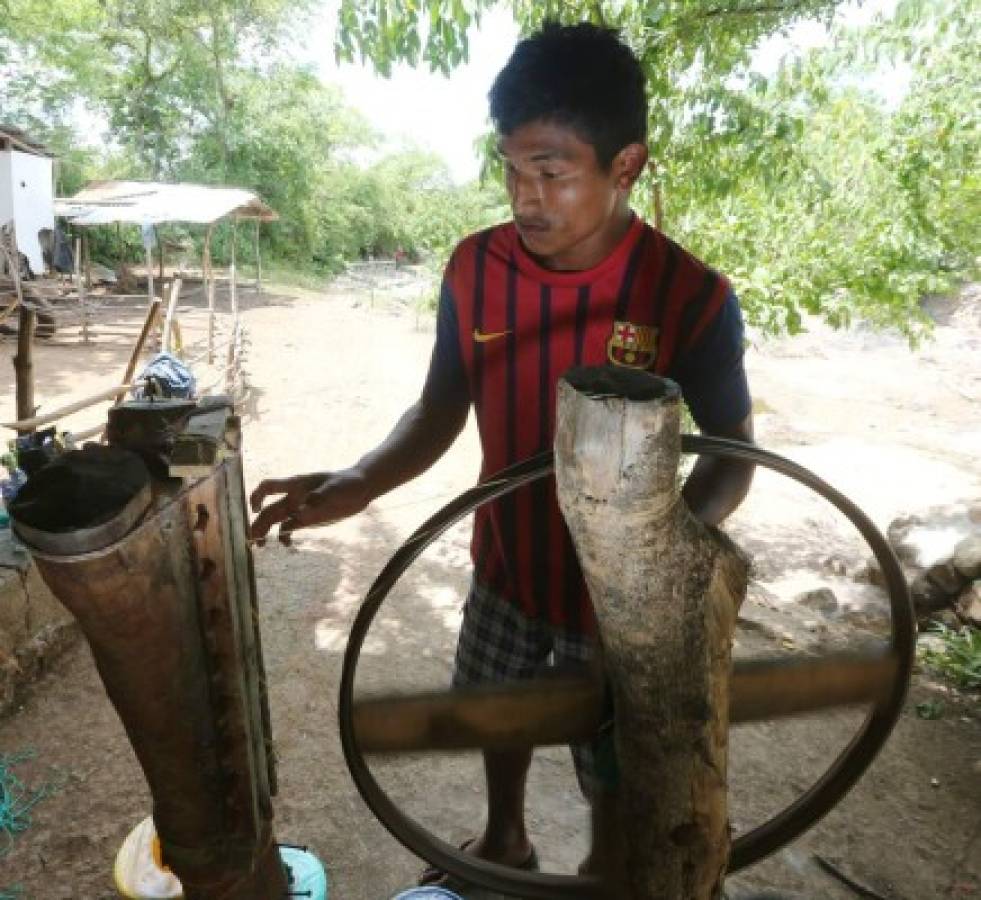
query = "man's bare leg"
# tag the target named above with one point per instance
(505, 839)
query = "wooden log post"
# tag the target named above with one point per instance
(209, 280)
(232, 274)
(151, 317)
(150, 292)
(82, 275)
(666, 590)
(170, 318)
(258, 260)
(24, 366)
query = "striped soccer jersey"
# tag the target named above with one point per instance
(517, 327)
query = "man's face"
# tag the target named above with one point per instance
(568, 210)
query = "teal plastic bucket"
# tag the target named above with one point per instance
(307, 875)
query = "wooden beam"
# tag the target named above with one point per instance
(9, 310)
(258, 260)
(209, 278)
(543, 712)
(25, 425)
(168, 325)
(233, 295)
(24, 371)
(134, 357)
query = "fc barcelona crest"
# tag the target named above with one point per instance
(632, 345)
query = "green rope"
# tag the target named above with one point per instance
(16, 802)
(14, 892)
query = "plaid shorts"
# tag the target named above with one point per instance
(499, 643)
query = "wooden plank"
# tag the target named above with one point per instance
(175, 291)
(524, 714)
(209, 277)
(8, 311)
(151, 317)
(35, 422)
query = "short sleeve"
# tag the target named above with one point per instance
(447, 373)
(711, 373)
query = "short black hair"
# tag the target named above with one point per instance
(581, 76)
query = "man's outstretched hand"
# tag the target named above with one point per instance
(319, 498)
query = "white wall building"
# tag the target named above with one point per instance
(26, 191)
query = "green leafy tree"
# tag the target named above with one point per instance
(803, 187)
(160, 70)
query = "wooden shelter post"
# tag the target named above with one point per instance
(233, 295)
(26, 323)
(150, 292)
(170, 321)
(24, 364)
(80, 283)
(258, 260)
(209, 281)
(665, 589)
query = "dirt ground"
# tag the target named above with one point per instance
(898, 431)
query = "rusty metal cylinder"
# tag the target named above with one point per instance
(164, 591)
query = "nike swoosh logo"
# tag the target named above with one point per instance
(482, 337)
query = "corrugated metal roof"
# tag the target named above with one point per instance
(151, 202)
(20, 140)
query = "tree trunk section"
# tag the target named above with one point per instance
(666, 590)
(169, 611)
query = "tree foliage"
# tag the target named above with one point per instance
(208, 92)
(804, 187)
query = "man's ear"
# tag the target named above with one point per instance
(628, 164)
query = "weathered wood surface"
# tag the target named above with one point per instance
(170, 614)
(35, 422)
(24, 370)
(170, 319)
(666, 591)
(568, 711)
(151, 317)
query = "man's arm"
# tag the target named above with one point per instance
(716, 486)
(421, 436)
(713, 380)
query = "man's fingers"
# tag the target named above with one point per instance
(265, 488)
(275, 512)
(310, 512)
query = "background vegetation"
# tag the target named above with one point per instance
(810, 190)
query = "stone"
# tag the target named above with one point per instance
(930, 536)
(967, 557)
(969, 605)
(34, 628)
(822, 600)
(835, 565)
(869, 618)
(927, 596)
(898, 536)
(946, 577)
(946, 617)
(871, 574)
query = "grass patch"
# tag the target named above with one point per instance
(958, 656)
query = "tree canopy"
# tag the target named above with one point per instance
(808, 187)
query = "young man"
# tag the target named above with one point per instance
(576, 278)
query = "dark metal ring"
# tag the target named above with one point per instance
(763, 840)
